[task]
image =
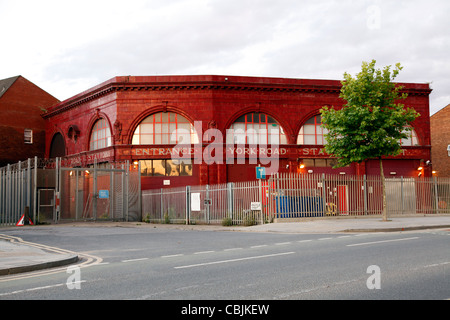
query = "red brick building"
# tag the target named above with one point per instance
(187, 130)
(440, 140)
(22, 129)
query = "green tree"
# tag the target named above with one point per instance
(372, 122)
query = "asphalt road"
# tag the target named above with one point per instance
(160, 264)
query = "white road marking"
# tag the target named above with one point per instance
(203, 252)
(381, 241)
(172, 255)
(437, 264)
(133, 260)
(233, 260)
(38, 288)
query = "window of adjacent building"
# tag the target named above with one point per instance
(100, 135)
(165, 128)
(166, 168)
(255, 128)
(28, 136)
(312, 132)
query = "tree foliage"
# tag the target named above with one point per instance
(372, 122)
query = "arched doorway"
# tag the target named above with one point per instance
(58, 146)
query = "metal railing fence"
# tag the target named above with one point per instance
(292, 196)
(210, 204)
(298, 196)
(38, 184)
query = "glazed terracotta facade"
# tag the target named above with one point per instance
(216, 102)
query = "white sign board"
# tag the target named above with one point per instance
(255, 206)
(195, 202)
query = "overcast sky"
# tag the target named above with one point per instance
(66, 47)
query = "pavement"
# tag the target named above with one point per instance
(18, 256)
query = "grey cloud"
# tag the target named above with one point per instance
(303, 39)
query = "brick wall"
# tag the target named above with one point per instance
(440, 139)
(21, 108)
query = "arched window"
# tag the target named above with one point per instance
(256, 128)
(100, 135)
(165, 128)
(312, 132)
(412, 139)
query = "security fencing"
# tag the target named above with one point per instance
(108, 191)
(342, 195)
(27, 188)
(52, 190)
(16, 184)
(210, 204)
(285, 197)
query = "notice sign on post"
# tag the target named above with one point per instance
(195, 202)
(103, 194)
(260, 172)
(255, 206)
